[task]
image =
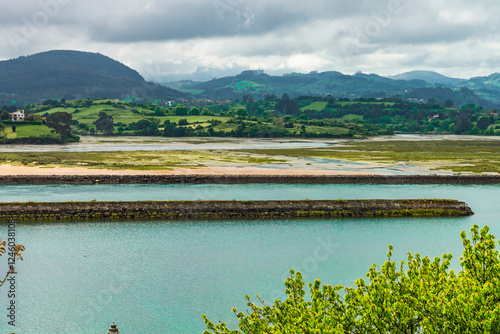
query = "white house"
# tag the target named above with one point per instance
(17, 116)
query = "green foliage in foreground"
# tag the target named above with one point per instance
(418, 296)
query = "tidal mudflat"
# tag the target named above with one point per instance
(395, 155)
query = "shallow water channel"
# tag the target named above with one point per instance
(159, 277)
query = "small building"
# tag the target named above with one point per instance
(433, 117)
(17, 116)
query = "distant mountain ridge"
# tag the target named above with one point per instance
(72, 75)
(336, 84)
(483, 91)
(82, 75)
(428, 76)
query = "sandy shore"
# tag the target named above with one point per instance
(6, 169)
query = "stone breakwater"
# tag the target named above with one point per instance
(242, 179)
(72, 211)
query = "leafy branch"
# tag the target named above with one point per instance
(15, 253)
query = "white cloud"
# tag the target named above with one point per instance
(175, 37)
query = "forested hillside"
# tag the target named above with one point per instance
(73, 75)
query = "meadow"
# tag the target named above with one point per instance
(24, 130)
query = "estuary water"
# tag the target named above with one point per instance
(127, 143)
(159, 277)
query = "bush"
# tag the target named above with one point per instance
(206, 112)
(418, 296)
(181, 110)
(194, 111)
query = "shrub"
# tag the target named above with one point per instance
(418, 296)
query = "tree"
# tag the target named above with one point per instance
(270, 97)
(159, 111)
(287, 106)
(449, 104)
(14, 127)
(60, 121)
(5, 116)
(171, 130)
(462, 123)
(484, 122)
(194, 111)
(206, 112)
(181, 110)
(241, 112)
(104, 123)
(33, 117)
(418, 296)
(147, 128)
(248, 98)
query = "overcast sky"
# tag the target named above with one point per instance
(201, 39)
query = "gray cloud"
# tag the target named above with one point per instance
(206, 37)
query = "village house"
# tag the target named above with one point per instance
(17, 116)
(433, 117)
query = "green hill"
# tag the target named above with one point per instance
(73, 75)
(428, 76)
(258, 84)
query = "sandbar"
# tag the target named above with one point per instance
(7, 169)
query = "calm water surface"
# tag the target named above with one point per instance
(159, 277)
(103, 144)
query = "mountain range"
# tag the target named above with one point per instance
(81, 75)
(416, 85)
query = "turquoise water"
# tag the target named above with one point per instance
(159, 277)
(164, 192)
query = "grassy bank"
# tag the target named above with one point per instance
(453, 155)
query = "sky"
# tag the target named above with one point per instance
(201, 39)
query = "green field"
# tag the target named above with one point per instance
(352, 117)
(347, 103)
(316, 106)
(192, 91)
(24, 130)
(324, 130)
(191, 119)
(88, 115)
(244, 85)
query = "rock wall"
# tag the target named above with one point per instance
(239, 179)
(34, 211)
